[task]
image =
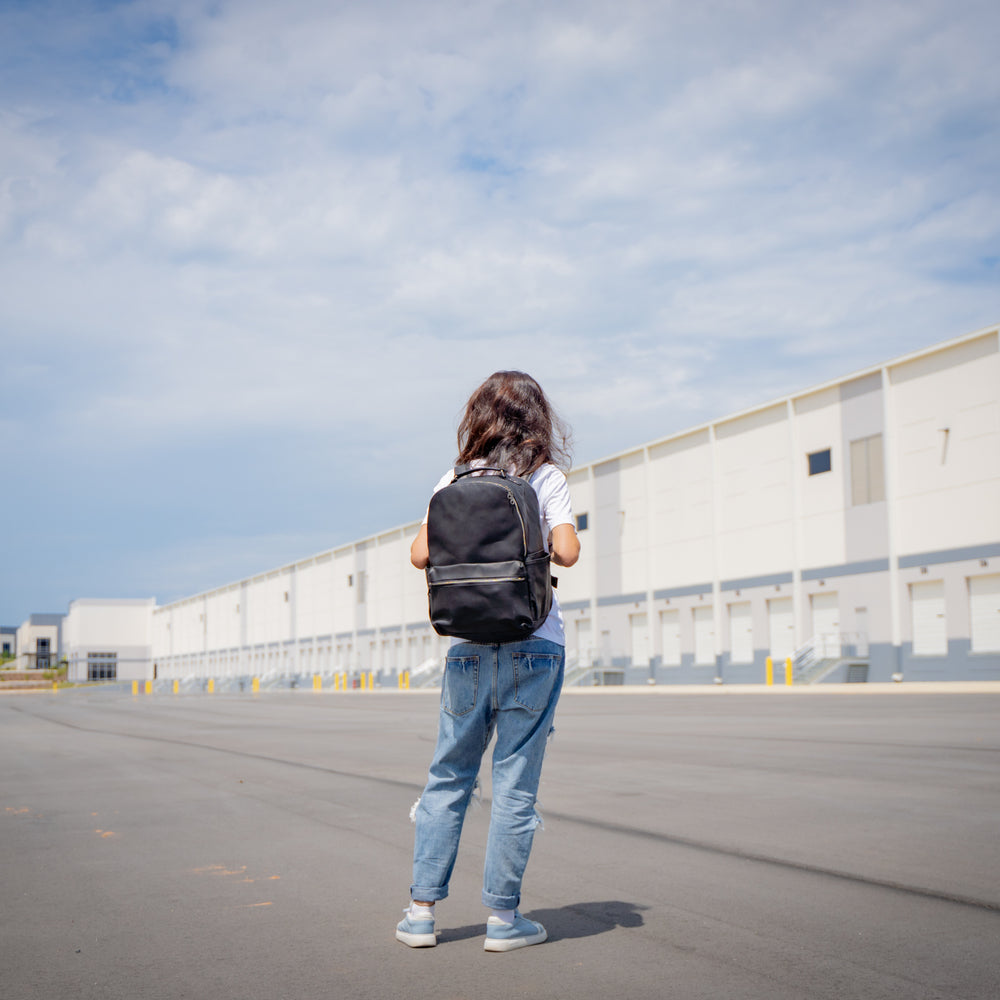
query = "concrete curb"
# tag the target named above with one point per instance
(904, 687)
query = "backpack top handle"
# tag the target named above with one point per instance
(467, 470)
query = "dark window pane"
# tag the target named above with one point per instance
(819, 461)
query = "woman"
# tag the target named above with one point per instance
(508, 424)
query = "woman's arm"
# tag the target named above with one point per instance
(564, 545)
(420, 554)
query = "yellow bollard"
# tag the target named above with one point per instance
(317, 682)
(210, 687)
(148, 687)
(364, 681)
(135, 687)
(769, 671)
(788, 672)
(255, 685)
(55, 685)
(406, 675)
(177, 686)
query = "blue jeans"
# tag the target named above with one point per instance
(512, 688)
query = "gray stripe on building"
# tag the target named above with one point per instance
(949, 555)
(692, 590)
(749, 582)
(847, 569)
(606, 602)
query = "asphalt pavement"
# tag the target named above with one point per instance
(771, 844)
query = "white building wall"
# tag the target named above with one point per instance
(633, 524)
(948, 418)
(682, 529)
(821, 525)
(754, 463)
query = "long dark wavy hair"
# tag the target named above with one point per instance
(509, 423)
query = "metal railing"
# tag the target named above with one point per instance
(825, 651)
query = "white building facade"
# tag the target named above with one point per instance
(38, 642)
(855, 525)
(106, 640)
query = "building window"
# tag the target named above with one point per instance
(819, 461)
(581, 522)
(6, 649)
(102, 666)
(867, 470)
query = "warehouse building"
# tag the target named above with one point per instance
(8, 642)
(853, 527)
(108, 639)
(38, 641)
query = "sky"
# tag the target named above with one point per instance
(254, 256)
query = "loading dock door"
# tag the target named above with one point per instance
(584, 642)
(740, 633)
(781, 625)
(670, 638)
(704, 636)
(639, 627)
(930, 633)
(826, 624)
(984, 606)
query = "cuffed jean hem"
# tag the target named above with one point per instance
(501, 902)
(428, 895)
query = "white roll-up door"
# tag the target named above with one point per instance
(670, 638)
(704, 636)
(826, 624)
(639, 628)
(781, 626)
(740, 632)
(984, 608)
(584, 641)
(930, 630)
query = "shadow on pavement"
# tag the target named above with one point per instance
(449, 934)
(576, 921)
(587, 919)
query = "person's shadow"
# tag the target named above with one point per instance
(575, 921)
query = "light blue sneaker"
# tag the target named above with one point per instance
(506, 937)
(415, 933)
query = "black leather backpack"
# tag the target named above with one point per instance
(488, 578)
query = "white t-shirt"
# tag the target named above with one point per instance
(554, 508)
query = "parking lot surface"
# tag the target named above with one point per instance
(696, 845)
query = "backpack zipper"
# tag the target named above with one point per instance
(517, 510)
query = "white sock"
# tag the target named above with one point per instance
(507, 916)
(421, 912)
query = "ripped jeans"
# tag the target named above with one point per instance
(512, 688)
